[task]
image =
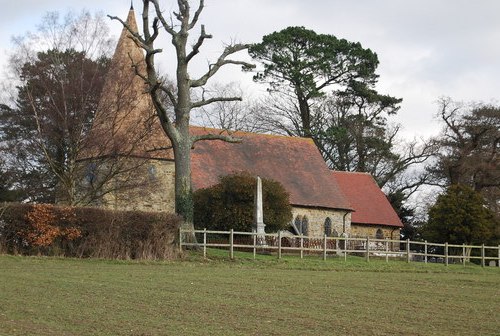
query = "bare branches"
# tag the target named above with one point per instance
(205, 102)
(159, 15)
(221, 61)
(197, 14)
(198, 44)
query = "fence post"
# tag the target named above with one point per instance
(204, 242)
(254, 243)
(367, 248)
(386, 250)
(180, 240)
(446, 253)
(231, 244)
(301, 247)
(498, 256)
(482, 256)
(407, 250)
(279, 244)
(425, 251)
(324, 247)
(463, 254)
(345, 248)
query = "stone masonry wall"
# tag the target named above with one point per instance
(363, 231)
(316, 220)
(155, 191)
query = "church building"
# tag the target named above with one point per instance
(323, 201)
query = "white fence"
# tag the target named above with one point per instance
(338, 246)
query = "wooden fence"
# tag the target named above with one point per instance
(339, 246)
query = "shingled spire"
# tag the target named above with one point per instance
(124, 115)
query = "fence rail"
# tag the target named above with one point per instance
(338, 246)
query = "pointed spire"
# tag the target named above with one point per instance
(125, 109)
(131, 4)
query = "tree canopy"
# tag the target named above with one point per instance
(60, 72)
(460, 216)
(55, 105)
(468, 148)
(301, 63)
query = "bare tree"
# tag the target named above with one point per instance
(228, 115)
(468, 148)
(178, 27)
(58, 73)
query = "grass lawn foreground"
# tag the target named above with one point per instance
(57, 296)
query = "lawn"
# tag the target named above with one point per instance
(52, 296)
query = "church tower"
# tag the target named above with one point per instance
(128, 170)
(125, 112)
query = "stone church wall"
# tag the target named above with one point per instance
(145, 185)
(155, 193)
(316, 217)
(363, 231)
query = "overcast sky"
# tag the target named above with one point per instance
(426, 48)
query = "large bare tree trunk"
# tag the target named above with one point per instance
(183, 186)
(177, 129)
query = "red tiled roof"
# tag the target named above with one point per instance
(294, 162)
(369, 202)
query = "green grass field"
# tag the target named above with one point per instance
(51, 296)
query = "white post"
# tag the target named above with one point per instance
(279, 244)
(463, 254)
(407, 250)
(231, 245)
(367, 248)
(180, 240)
(425, 251)
(446, 253)
(254, 235)
(386, 250)
(324, 247)
(204, 242)
(483, 262)
(301, 247)
(345, 248)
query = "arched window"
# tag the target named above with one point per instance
(298, 224)
(328, 226)
(305, 226)
(91, 173)
(379, 234)
(152, 172)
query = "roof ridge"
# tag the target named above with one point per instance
(251, 133)
(350, 172)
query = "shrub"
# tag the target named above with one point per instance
(230, 204)
(87, 232)
(43, 228)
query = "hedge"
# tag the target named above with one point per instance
(45, 229)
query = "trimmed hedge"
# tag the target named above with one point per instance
(44, 229)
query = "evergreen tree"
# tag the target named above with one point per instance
(459, 216)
